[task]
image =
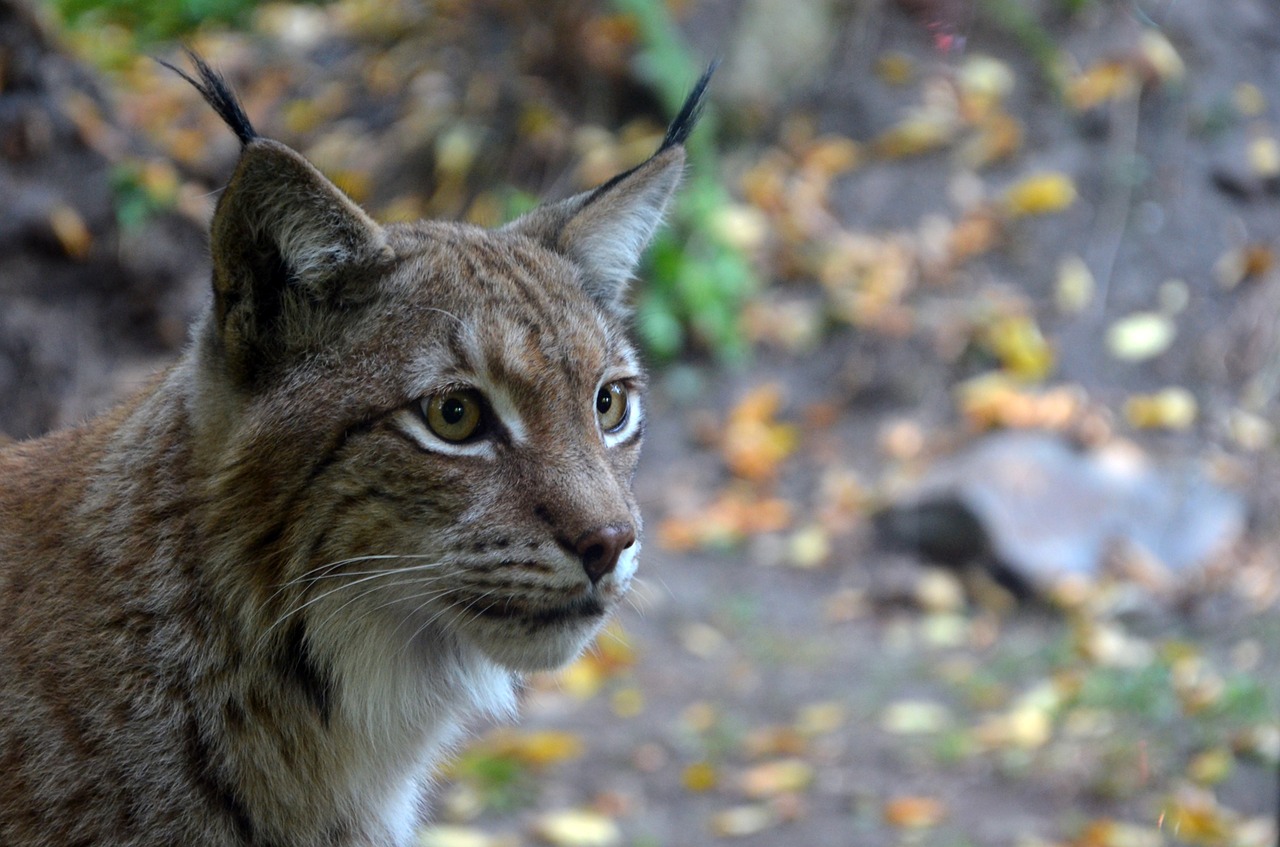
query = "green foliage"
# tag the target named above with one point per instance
(154, 20)
(697, 282)
(136, 198)
(504, 783)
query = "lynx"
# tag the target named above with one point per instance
(256, 603)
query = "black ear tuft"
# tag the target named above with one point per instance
(215, 90)
(687, 119)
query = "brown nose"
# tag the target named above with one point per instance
(600, 549)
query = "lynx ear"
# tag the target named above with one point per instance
(288, 246)
(605, 230)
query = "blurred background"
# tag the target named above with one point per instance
(962, 492)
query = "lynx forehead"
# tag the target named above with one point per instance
(255, 603)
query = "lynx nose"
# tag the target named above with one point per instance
(600, 549)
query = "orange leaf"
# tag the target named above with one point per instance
(914, 812)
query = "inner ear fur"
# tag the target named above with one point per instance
(289, 249)
(604, 231)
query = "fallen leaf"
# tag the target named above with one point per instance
(71, 231)
(1108, 80)
(820, 718)
(1249, 100)
(754, 444)
(1159, 57)
(1017, 342)
(741, 821)
(1172, 408)
(577, 828)
(1140, 336)
(809, 547)
(770, 779)
(700, 777)
(1040, 194)
(461, 836)
(538, 749)
(1109, 833)
(1073, 291)
(1210, 767)
(895, 68)
(915, 717)
(1264, 156)
(914, 812)
(923, 132)
(627, 702)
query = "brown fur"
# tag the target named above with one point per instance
(253, 604)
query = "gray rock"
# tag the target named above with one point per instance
(1036, 510)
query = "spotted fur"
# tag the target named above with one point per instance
(254, 604)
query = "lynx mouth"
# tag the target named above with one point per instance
(579, 610)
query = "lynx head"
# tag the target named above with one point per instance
(425, 433)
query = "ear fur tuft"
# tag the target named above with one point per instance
(213, 87)
(687, 118)
(605, 230)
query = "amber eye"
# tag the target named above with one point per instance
(611, 406)
(454, 415)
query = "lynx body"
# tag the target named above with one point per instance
(254, 604)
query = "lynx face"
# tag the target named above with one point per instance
(483, 487)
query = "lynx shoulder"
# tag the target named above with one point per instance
(253, 604)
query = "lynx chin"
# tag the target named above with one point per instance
(255, 603)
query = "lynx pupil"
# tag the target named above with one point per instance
(452, 410)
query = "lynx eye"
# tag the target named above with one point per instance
(454, 415)
(611, 406)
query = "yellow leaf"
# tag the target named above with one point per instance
(71, 231)
(1109, 833)
(1017, 342)
(999, 136)
(916, 136)
(1105, 81)
(699, 777)
(895, 68)
(536, 749)
(773, 778)
(582, 679)
(1211, 766)
(831, 155)
(1040, 194)
(1198, 819)
(628, 702)
(1173, 408)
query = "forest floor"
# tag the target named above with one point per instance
(964, 222)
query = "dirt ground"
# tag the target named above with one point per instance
(781, 678)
